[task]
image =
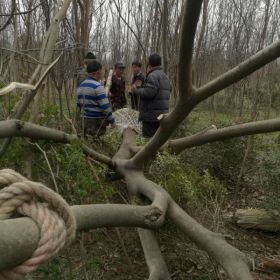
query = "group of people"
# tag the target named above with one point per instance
(148, 94)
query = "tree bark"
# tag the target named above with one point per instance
(258, 219)
(19, 237)
(212, 135)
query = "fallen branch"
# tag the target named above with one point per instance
(235, 263)
(258, 219)
(271, 264)
(17, 128)
(19, 237)
(156, 264)
(137, 184)
(258, 127)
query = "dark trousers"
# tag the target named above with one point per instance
(94, 127)
(149, 129)
(134, 101)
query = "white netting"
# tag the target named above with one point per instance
(127, 117)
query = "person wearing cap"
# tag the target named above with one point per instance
(154, 96)
(82, 72)
(117, 89)
(137, 81)
(94, 106)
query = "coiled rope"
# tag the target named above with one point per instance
(49, 210)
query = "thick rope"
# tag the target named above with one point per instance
(49, 210)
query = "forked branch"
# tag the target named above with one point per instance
(235, 263)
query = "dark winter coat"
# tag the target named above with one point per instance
(154, 95)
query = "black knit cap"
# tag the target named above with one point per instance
(90, 55)
(154, 60)
(94, 66)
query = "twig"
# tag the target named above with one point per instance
(24, 54)
(48, 163)
(21, 13)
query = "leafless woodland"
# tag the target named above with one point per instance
(219, 53)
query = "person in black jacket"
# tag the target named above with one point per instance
(154, 96)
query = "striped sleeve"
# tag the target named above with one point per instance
(104, 103)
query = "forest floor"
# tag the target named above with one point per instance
(110, 253)
(99, 254)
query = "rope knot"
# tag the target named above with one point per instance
(48, 209)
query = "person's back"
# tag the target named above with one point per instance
(155, 99)
(154, 96)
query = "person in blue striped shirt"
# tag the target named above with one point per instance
(93, 104)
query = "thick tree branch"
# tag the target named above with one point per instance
(156, 264)
(17, 128)
(178, 145)
(19, 237)
(137, 183)
(239, 72)
(189, 25)
(97, 156)
(235, 263)
(167, 126)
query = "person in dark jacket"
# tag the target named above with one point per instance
(154, 96)
(137, 81)
(117, 90)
